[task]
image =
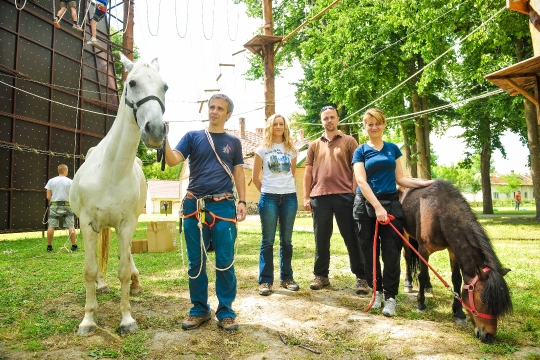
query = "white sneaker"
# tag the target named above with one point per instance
(378, 300)
(389, 307)
(92, 41)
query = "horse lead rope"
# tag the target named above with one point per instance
(469, 287)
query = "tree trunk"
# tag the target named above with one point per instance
(485, 159)
(425, 124)
(534, 150)
(422, 164)
(414, 163)
(406, 149)
(533, 132)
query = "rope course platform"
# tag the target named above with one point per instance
(59, 99)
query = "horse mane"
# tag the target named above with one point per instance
(496, 291)
(483, 242)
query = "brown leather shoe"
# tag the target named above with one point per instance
(290, 285)
(228, 324)
(193, 322)
(319, 282)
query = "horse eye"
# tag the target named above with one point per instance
(132, 83)
(166, 87)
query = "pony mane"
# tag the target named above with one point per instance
(483, 242)
(496, 293)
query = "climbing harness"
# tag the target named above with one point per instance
(201, 211)
(469, 287)
(200, 214)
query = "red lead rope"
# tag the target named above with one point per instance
(470, 288)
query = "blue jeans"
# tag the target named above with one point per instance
(223, 235)
(271, 208)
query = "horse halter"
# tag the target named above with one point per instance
(472, 308)
(135, 106)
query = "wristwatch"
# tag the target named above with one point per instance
(242, 202)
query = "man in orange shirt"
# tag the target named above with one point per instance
(518, 200)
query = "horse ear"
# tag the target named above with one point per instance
(128, 64)
(505, 271)
(155, 63)
(480, 272)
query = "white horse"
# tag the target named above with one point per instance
(109, 189)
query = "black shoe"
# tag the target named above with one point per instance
(49, 248)
(74, 247)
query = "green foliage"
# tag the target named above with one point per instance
(359, 54)
(466, 180)
(512, 183)
(153, 172)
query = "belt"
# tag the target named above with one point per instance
(60, 203)
(211, 198)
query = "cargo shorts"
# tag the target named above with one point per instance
(72, 4)
(58, 211)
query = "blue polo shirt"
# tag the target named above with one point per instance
(380, 167)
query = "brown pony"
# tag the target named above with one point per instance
(438, 217)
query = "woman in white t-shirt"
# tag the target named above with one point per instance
(276, 160)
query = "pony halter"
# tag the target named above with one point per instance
(135, 106)
(472, 308)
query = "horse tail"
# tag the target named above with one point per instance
(104, 242)
(412, 260)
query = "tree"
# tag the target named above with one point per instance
(512, 184)
(153, 172)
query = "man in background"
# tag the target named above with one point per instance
(58, 197)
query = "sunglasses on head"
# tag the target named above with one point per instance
(328, 107)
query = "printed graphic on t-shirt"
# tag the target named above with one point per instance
(279, 162)
(226, 149)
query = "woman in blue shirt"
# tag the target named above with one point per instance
(377, 172)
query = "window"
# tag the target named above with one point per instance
(525, 196)
(495, 195)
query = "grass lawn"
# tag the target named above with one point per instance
(42, 298)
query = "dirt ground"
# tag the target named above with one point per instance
(325, 324)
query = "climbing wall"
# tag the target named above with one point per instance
(58, 98)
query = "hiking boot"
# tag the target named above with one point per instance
(319, 282)
(265, 289)
(57, 22)
(290, 285)
(74, 247)
(378, 300)
(362, 287)
(77, 27)
(193, 322)
(389, 307)
(228, 324)
(92, 41)
(49, 248)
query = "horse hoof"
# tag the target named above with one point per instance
(421, 308)
(460, 322)
(135, 290)
(128, 329)
(86, 330)
(407, 289)
(102, 290)
(428, 290)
